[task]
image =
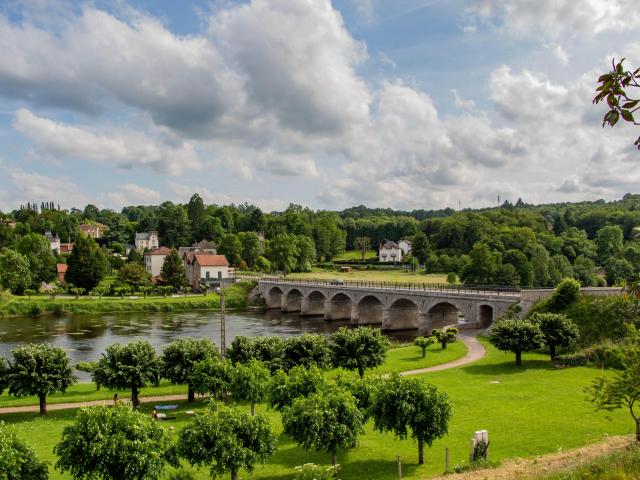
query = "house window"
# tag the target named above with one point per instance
(219, 274)
(208, 274)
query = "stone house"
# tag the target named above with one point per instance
(93, 230)
(154, 260)
(206, 268)
(390, 252)
(147, 240)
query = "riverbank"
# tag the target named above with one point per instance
(13, 306)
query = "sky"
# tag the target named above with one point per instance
(405, 104)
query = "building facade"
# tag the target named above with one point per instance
(154, 260)
(390, 252)
(93, 230)
(147, 240)
(206, 268)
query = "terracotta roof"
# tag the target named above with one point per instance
(159, 251)
(209, 260)
(61, 267)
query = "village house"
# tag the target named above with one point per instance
(154, 260)
(203, 246)
(405, 245)
(66, 248)
(206, 268)
(147, 240)
(93, 230)
(390, 252)
(53, 241)
(61, 270)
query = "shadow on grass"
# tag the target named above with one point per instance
(357, 469)
(508, 368)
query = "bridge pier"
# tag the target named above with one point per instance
(386, 319)
(424, 324)
(355, 316)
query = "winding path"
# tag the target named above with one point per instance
(475, 351)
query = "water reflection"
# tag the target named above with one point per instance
(85, 337)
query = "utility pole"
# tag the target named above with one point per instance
(223, 333)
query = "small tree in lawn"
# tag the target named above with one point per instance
(306, 350)
(300, 382)
(226, 439)
(402, 404)
(17, 460)
(132, 366)
(180, 356)
(423, 343)
(250, 382)
(173, 272)
(100, 291)
(359, 348)
(29, 292)
(39, 369)
(77, 292)
(623, 390)
(328, 421)
(557, 330)
(54, 292)
(113, 443)
(212, 376)
(363, 390)
(146, 290)
(517, 336)
(444, 336)
(166, 290)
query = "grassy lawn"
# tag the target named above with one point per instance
(528, 410)
(399, 276)
(356, 255)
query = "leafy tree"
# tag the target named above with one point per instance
(180, 356)
(359, 348)
(227, 439)
(42, 261)
(483, 266)
(613, 88)
(196, 214)
(131, 366)
(135, 257)
(231, 247)
(77, 292)
(306, 253)
(328, 421)
(300, 382)
(250, 382)
(212, 376)
(113, 443)
(517, 336)
(251, 247)
(262, 264)
(363, 390)
(363, 244)
(507, 275)
(423, 343)
(134, 275)
(328, 237)
(540, 265)
(402, 404)
(14, 271)
(173, 272)
(452, 278)
(18, 461)
(282, 251)
(559, 268)
(583, 269)
(306, 350)
(565, 294)
(521, 264)
(609, 242)
(557, 330)
(444, 336)
(87, 264)
(420, 247)
(623, 390)
(39, 369)
(173, 225)
(619, 271)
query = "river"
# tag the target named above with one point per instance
(85, 337)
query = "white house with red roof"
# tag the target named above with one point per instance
(205, 268)
(154, 260)
(390, 252)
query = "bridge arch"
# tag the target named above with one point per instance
(293, 300)
(370, 310)
(442, 314)
(340, 307)
(274, 298)
(485, 316)
(403, 315)
(314, 303)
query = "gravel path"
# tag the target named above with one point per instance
(475, 351)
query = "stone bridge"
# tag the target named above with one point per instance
(390, 306)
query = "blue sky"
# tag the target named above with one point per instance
(390, 103)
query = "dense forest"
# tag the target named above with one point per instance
(513, 244)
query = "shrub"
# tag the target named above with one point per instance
(565, 294)
(58, 310)
(35, 310)
(311, 471)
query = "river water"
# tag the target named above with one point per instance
(85, 337)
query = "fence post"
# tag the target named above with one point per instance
(446, 459)
(399, 467)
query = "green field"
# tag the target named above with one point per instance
(394, 276)
(355, 256)
(528, 410)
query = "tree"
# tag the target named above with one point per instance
(18, 461)
(452, 278)
(328, 421)
(565, 294)
(307, 350)
(517, 336)
(113, 443)
(609, 242)
(212, 376)
(507, 275)
(180, 356)
(14, 271)
(557, 330)
(483, 266)
(619, 271)
(623, 390)
(77, 292)
(231, 248)
(444, 336)
(363, 244)
(196, 214)
(227, 440)
(132, 366)
(87, 264)
(251, 247)
(300, 382)
(283, 251)
(305, 253)
(402, 404)
(173, 225)
(359, 348)
(173, 272)
(423, 343)
(250, 383)
(420, 247)
(135, 257)
(614, 87)
(39, 369)
(134, 275)
(583, 270)
(42, 261)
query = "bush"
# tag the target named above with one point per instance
(58, 310)
(565, 294)
(35, 310)
(311, 471)
(603, 355)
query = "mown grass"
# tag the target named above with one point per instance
(235, 297)
(618, 466)
(355, 255)
(529, 410)
(398, 276)
(399, 359)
